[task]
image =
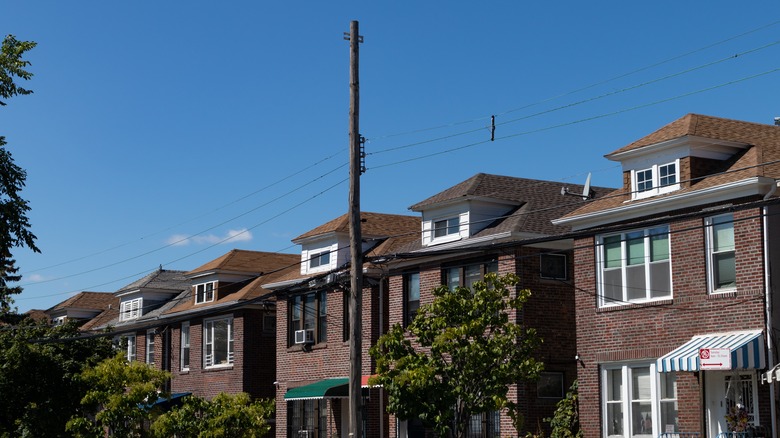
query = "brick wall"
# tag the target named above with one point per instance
(648, 331)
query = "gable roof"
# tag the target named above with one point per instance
(760, 159)
(371, 225)
(251, 262)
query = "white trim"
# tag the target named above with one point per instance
(208, 353)
(634, 210)
(181, 346)
(711, 281)
(150, 341)
(131, 309)
(206, 291)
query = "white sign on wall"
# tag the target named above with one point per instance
(714, 359)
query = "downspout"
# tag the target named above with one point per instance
(768, 304)
(381, 332)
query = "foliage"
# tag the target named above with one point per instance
(39, 376)
(565, 422)
(458, 356)
(119, 398)
(14, 224)
(226, 416)
(737, 418)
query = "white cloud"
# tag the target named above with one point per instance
(232, 236)
(35, 278)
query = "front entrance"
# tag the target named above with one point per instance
(726, 393)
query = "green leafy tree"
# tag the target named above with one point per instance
(119, 399)
(565, 422)
(459, 355)
(14, 224)
(226, 416)
(39, 376)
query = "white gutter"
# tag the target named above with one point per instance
(639, 209)
(768, 304)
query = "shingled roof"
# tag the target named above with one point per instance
(85, 300)
(256, 262)
(371, 225)
(761, 158)
(160, 279)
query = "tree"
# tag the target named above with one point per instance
(226, 416)
(458, 356)
(39, 376)
(14, 224)
(565, 422)
(119, 400)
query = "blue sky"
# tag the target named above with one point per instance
(168, 133)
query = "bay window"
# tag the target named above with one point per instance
(634, 266)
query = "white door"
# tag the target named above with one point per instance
(715, 395)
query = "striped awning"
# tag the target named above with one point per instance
(746, 349)
(337, 387)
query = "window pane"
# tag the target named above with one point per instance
(322, 329)
(613, 285)
(453, 278)
(412, 296)
(309, 312)
(220, 342)
(641, 419)
(722, 234)
(725, 270)
(635, 248)
(659, 244)
(612, 257)
(636, 284)
(615, 419)
(660, 280)
(640, 384)
(614, 385)
(644, 180)
(472, 273)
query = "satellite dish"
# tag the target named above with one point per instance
(586, 191)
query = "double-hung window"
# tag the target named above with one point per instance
(185, 346)
(130, 309)
(150, 347)
(204, 292)
(634, 266)
(721, 264)
(638, 401)
(411, 297)
(655, 180)
(466, 275)
(218, 342)
(308, 312)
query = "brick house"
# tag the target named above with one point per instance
(312, 327)
(675, 304)
(213, 327)
(494, 223)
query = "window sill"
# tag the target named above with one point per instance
(215, 368)
(444, 239)
(618, 307)
(184, 372)
(307, 347)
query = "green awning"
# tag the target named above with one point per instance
(328, 388)
(336, 387)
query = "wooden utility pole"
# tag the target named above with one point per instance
(355, 245)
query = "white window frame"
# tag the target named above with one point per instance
(130, 348)
(131, 309)
(319, 259)
(150, 334)
(710, 224)
(208, 342)
(184, 346)
(451, 229)
(630, 424)
(655, 180)
(204, 294)
(624, 237)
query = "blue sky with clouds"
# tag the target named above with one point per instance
(167, 133)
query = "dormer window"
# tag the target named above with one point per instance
(204, 293)
(319, 259)
(446, 227)
(130, 309)
(655, 180)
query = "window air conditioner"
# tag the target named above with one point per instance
(304, 336)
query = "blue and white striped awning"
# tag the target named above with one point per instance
(747, 352)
